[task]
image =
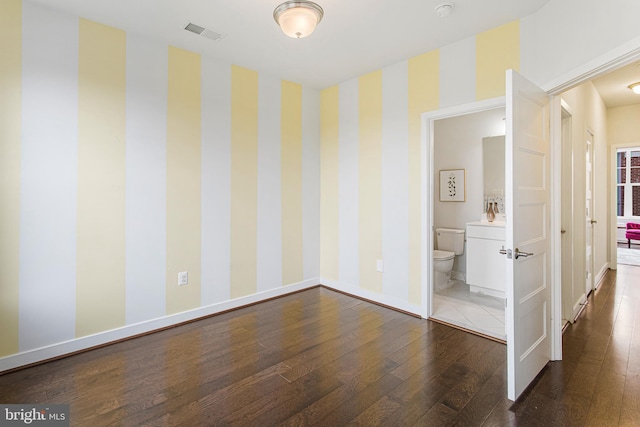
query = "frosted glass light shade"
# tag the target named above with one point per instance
(635, 88)
(298, 19)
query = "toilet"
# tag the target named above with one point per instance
(450, 242)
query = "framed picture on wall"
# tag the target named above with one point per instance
(452, 185)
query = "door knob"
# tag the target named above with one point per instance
(593, 221)
(563, 231)
(522, 254)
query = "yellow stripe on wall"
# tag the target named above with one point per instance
(423, 96)
(370, 179)
(244, 181)
(10, 135)
(100, 287)
(497, 50)
(183, 179)
(291, 183)
(329, 150)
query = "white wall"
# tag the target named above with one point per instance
(568, 34)
(624, 125)
(589, 113)
(623, 130)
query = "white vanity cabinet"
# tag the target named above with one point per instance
(486, 267)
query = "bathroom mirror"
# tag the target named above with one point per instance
(493, 164)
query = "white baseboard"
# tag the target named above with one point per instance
(387, 300)
(582, 301)
(601, 274)
(78, 344)
(579, 306)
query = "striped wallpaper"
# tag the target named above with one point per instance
(329, 183)
(100, 262)
(244, 181)
(291, 183)
(148, 160)
(371, 159)
(124, 161)
(370, 180)
(183, 208)
(48, 201)
(10, 183)
(146, 181)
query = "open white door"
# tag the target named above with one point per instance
(590, 221)
(527, 205)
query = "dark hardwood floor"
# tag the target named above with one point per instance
(320, 358)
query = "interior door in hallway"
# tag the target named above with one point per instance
(566, 230)
(590, 221)
(528, 199)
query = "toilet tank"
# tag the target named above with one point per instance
(450, 239)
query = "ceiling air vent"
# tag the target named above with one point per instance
(204, 32)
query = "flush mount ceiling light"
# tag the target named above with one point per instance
(635, 88)
(298, 19)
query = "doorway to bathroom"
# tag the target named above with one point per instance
(468, 281)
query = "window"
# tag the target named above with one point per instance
(628, 181)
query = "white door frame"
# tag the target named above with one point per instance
(613, 212)
(428, 186)
(565, 164)
(622, 55)
(611, 60)
(589, 263)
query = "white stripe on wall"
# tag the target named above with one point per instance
(395, 180)
(269, 257)
(216, 182)
(146, 183)
(458, 73)
(49, 180)
(348, 134)
(311, 182)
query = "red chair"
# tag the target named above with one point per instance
(633, 232)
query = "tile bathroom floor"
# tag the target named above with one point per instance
(459, 306)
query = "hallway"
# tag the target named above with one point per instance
(598, 381)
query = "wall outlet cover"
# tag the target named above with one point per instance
(183, 278)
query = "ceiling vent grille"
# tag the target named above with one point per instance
(204, 32)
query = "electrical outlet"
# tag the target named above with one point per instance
(183, 278)
(380, 266)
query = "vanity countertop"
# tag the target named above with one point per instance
(487, 223)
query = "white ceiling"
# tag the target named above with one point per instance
(614, 86)
(355, 36)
